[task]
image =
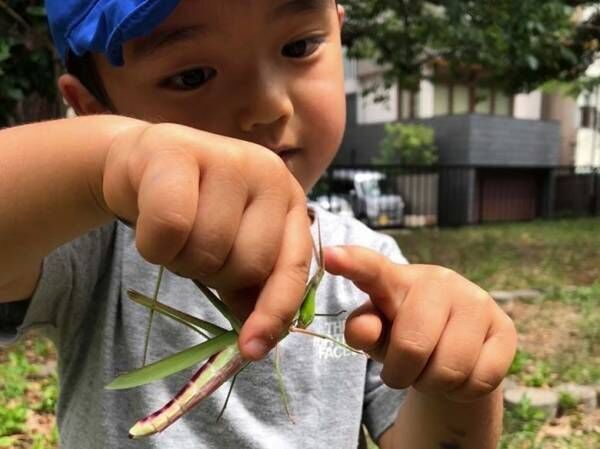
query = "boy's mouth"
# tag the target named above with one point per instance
(287, 153)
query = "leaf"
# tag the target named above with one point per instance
(532, 62)
(14, 94)
(8, 441)
(174, 363)
(37, 11)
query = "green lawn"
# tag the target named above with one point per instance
(559, 334)
(542, 254)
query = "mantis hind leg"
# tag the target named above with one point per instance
(328, 338)
(227, 398)
(330, 315)
(282, 391)
(161, 272)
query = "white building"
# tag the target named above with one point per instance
(579, 119)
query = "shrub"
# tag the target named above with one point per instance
(407, 144)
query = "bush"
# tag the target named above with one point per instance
(407, 144)
(28, 63)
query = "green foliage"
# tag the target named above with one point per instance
(408, 144)
(13, 376)
(12, 419)
(49, 397)
(513, 45)
(566, 401)
(520, 361)
(540, 375)
(27, 59)
(579, 295)
(524, 418)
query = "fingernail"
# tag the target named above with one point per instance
(256, 349)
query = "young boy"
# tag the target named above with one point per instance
(205, 124)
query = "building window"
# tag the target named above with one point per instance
(589, 117)
(452, 99)
(441, 99)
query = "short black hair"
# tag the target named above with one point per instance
(84, 69)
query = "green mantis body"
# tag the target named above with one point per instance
(224, 358)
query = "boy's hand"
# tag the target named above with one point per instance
(430, 327)
(225, 212)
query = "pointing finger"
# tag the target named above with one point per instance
(371, 272)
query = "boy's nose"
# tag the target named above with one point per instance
(266, 105)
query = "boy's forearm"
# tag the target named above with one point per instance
(50, 188)
(433, 422)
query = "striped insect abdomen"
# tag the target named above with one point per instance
(214, 373)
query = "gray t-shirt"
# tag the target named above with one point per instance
(81, 304)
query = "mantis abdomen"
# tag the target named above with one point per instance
(214, 373)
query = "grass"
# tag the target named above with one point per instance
(28, 396)
(559, 334)
(544, 255)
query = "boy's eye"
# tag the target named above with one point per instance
(190, 79)
(302, 48)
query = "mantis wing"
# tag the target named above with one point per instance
(174, 363)
(188, 320)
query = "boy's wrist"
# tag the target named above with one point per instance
(428, 420)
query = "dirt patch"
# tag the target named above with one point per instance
(547, 328)
(572, 424)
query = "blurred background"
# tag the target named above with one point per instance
(473, 138)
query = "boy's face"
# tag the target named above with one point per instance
(264, 71)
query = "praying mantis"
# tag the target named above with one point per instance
(221, 350)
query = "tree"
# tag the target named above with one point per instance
(407, 144)
(28, 62)
(514, 45)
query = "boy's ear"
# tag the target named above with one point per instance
(341, 15)
(79, 97)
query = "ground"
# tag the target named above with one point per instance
(559, 334)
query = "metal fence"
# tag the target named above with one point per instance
(453, 195)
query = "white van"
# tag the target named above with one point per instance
(362, 189)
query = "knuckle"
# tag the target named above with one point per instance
(156, 132)
(232, 157)
(274, 166)
(255, 271)
(280, 320)
(296, 274)
(171, 224)
(451, 378)
(444, 275)
(480, 301)
(482, 387)
(394, 382)
(416, 345)
(207, 262)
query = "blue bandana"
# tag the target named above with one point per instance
(102, 26)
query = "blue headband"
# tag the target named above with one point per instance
(103, 26)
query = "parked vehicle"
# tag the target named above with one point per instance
(335, 204)
(364, 190)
